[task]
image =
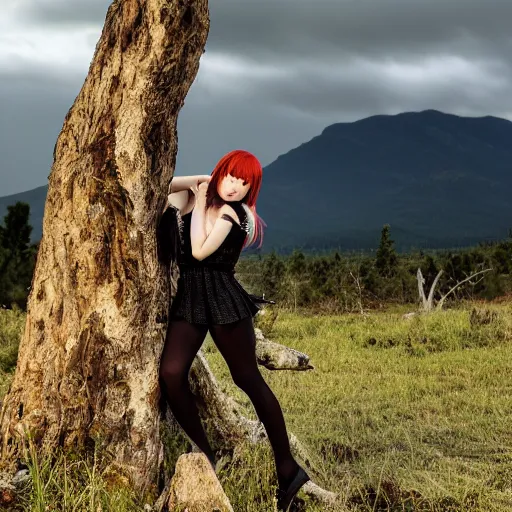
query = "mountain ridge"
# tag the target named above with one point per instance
(438, 179)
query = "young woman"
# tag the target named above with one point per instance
(210, 221)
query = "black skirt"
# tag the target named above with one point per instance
(211, 296)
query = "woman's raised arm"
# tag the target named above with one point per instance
(179, 183)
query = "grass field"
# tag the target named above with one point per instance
(420, 414)
(399, 414)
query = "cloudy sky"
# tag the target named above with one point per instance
(275, 72)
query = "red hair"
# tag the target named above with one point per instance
(243, 165)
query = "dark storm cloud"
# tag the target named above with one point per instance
(451, 85)
(298, 29)
(64, 12)
(356, 57)
(283, 29)
(33, 108)
(332, 55)
(275, 73)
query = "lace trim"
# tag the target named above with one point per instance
(245, 223)
(180, 226)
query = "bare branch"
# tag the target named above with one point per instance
(440, 303)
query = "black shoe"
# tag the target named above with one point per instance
(285, 497)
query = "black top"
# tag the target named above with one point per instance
(227, 254)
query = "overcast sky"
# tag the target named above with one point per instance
(275, 72)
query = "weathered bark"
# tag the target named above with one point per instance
(427, 304)
(88, 359)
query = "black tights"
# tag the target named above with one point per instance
(236, 342)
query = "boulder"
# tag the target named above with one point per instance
(195, 486)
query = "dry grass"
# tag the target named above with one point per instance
(403, 415)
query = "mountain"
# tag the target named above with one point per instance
(439, 180)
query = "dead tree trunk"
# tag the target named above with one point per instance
(87, 371)
(96, 317)
(427, 305)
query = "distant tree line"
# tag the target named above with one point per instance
(331, 283)
(341, 283)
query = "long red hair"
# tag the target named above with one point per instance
(243, 165)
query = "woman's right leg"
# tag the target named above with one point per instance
(183, 340)
(237, 344)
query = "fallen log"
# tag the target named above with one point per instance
(279, 357)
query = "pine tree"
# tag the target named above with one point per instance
(386, 257)
(17, 256)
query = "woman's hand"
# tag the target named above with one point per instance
(199, 190)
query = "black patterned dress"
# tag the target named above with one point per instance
(208, 292)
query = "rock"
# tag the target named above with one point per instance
(195, 486)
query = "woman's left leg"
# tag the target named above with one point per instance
(237, 343)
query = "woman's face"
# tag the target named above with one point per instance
(233, 189)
